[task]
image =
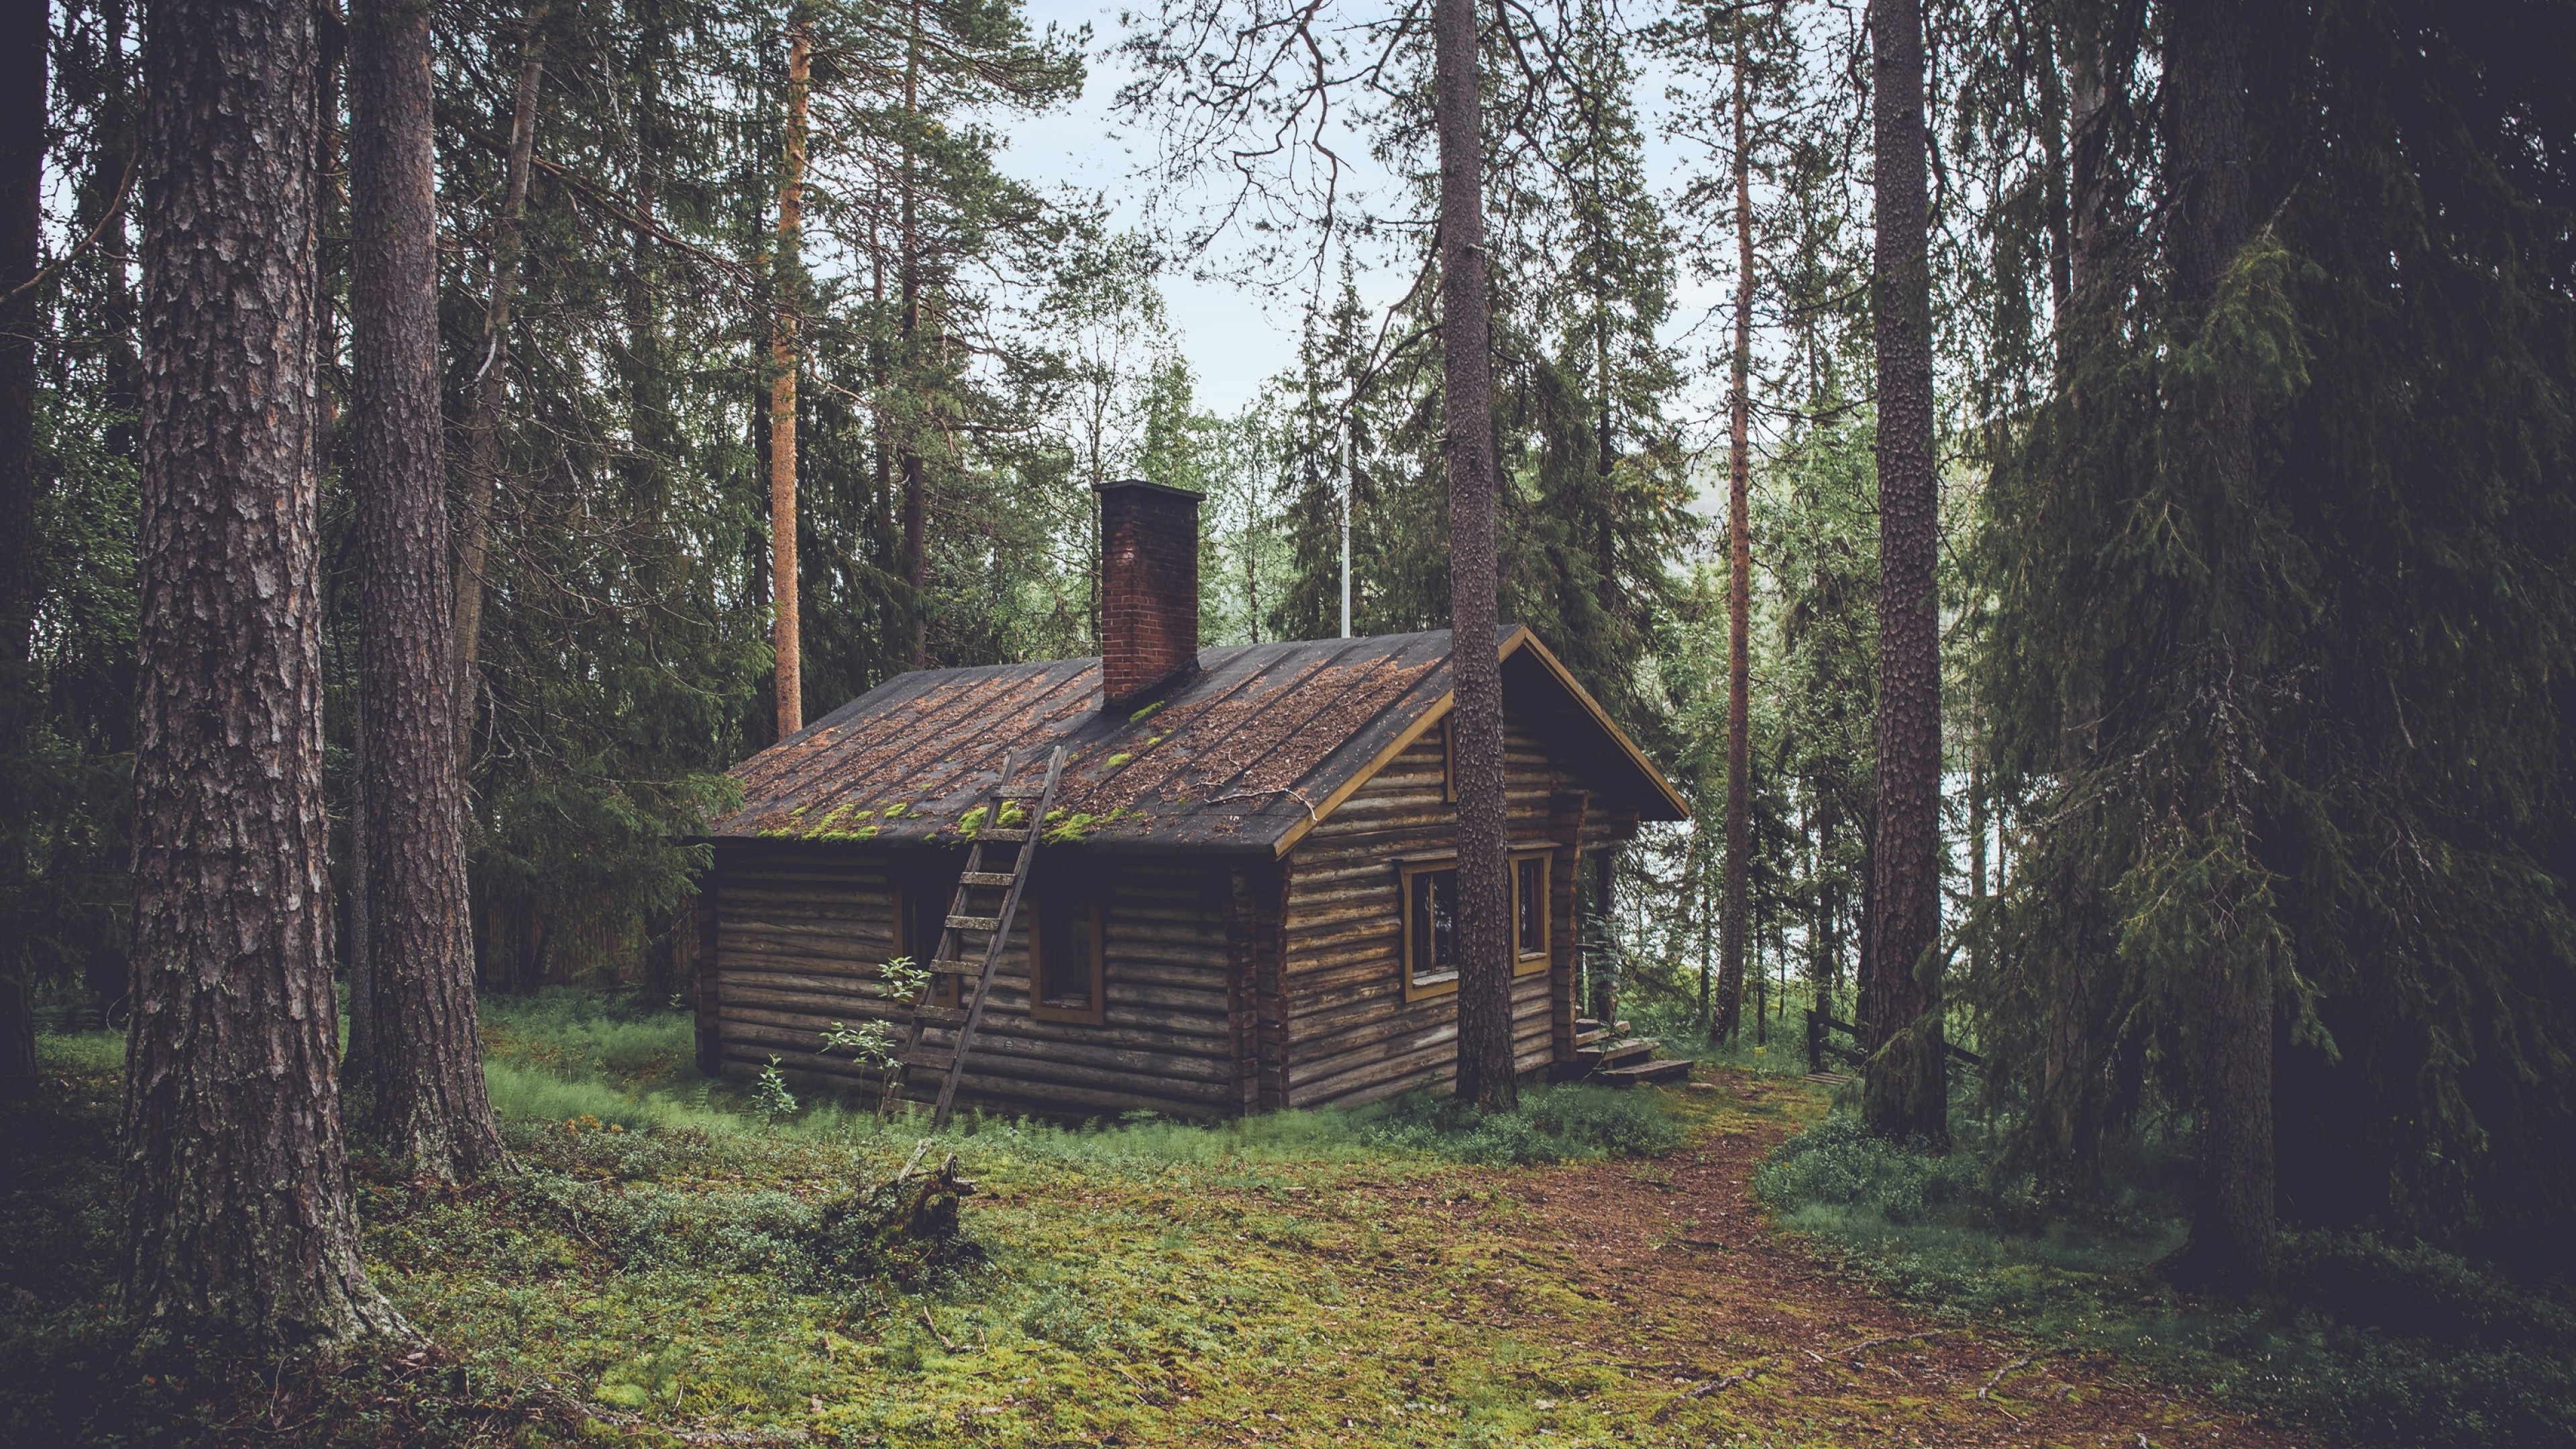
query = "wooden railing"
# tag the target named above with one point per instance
(1820, 1045)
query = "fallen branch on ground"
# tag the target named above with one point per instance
(1989, 1387)
(1717, 1385)
(1883, 1341)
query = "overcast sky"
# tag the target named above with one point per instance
(1234, 339)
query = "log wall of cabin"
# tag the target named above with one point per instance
(1350, 1034)
(801, 932)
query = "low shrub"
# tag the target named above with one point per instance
(1552, 1124)
(2369, 1341)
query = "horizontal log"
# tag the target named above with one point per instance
(1111, 1045)
(825, 982)
(735, 993)
(1360, 999)
(1428, 1065)
(1435, 1077)
(820, 958)
(998, 1093)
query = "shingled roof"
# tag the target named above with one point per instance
(1243, 756)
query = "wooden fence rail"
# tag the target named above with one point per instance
(1820, 1045)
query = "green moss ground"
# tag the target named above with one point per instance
(662, 1266)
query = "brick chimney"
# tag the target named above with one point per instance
(1149, 587)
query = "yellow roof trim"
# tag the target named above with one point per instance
(1521, 636)
(1512, 643)
(1438, 711)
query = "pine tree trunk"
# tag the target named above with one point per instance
(1906, 1090)
(783, 574)
(358, 1064)
(429, 1107)
(22, 181)
(1977, 826)
(1739, 588)
(358, 1053)
(235, 1193)
(2232, 1231)
(1485, 1074)
(492, 383)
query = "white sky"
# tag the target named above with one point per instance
(1235, 341)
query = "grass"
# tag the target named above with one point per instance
(661, 1258)
(665, 1263)
(2370, 1342)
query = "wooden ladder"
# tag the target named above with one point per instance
(949, 962)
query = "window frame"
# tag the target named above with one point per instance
(909, 898)
(1407, 871)
(1042, 909)
(1527, 963)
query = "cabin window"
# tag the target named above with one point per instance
(1067, 970)
(921, 913)
(1430, 930)
(1530, 906)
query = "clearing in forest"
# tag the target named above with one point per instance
(1301, 1279)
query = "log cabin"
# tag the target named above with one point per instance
(1243, 897)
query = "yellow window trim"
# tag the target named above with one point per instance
(1532, 963)
(1407, 867)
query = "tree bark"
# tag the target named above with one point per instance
(429, 1107)
(22, 181)
(237, 1216)
(1739, 587)
(1485, 1073)
(492, 383)
(1906, 1091)
(782, 393)
(2233, 1230)
(358, 1062)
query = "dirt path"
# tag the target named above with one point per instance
(1725, 1311)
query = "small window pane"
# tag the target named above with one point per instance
(1064, 956)
(1435, 925)
(1532, 893)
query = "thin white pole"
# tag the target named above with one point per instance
(1346, 548)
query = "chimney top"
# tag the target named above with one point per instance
(1149, 588)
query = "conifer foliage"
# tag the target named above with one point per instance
(2280, 627)
(2074, 492)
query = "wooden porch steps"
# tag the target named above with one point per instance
(1654, 1072)
(1604, 1052)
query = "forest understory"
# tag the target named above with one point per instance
(659, 1267)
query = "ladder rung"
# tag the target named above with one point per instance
(985, 878)
(956, 968)
(939, 1015)
(1018, 792)
(987, 924)
(1004, 832)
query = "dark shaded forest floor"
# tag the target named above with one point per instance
(1295, 1280)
